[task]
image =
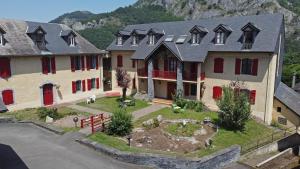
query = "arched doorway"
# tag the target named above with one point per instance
(48, 94)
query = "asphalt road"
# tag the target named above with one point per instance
(25, 146)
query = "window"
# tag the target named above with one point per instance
(93, 83)
(195, 38)
(278, 109)
(217, 92)
(77, 60)
(282, 120)
(1, 39)
(5, 71)
(220, 38)
(72, 41)
(134, 40)
(193, 89)
(40, 40)
(249, 38)
(250, 94)
(48, 65)
(8, 97)
(119, 40)
(218, 65)
(92, 62)
(119, 60)
(151, 39)
(246, 66)
(78, 85)
(172, 66)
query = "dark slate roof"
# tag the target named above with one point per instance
(288, 97)
(266, 41)
(2, 106)
(19, 43)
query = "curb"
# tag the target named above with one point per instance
(45, 126)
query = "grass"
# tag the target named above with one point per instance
(110, 104)
(179, 130)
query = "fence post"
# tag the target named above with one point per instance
(92, 124)
(81, 123)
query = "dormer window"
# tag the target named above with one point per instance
(72, 41)
(249, 35)
(69, 36)
(1, 39)
(195, 38)
(134, 40)
(151, 39)
(37, 34)
(222, 33)
(119, 40)
(197, 33)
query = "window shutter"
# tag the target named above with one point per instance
(186, 89)
(82, 63)
(88, 63)
(97, 62)
(98, 82)
(73, 87)
(72, 63)
(165, 64)
(254, 67)
(252, 96)
(218, 65)
(44, 65)
(120, 61)
(8, 97)
(217, 92)
(237, 66)
(89, 84)
(83, 85)
(53, 65)
(5, 70)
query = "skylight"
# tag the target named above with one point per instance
(169, 38)
(181, 39)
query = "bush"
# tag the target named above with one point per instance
(199, 107)
(234, 109)
(121, 123)
(44, 112)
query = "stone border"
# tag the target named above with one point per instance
(213, 161)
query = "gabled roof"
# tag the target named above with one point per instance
(252, 26)
(123, 32)
(156, 31)
(34, 29)
(265, 41)
(67, 33)
(288, 97)
(223, 27)
(199, 29)
(20, 44)
(138, 32)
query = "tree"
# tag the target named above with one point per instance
(123, 80)
(234, 109)
(121, 123)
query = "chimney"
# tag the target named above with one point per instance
(294, 80)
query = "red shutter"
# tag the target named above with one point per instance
(88, 63)
(186, 89)
(53, 65)
(82, 63)
(97, 62)
(254, 67)
(218, 65)
(237, 66)
(98, 83)
(89, 83)
(217, 92)
(72, 63)
(120, 61)
(5, 70)
(252, 96)
(8, 97)
(83, 85)
(165, 64)
(73, 87)
(45, 65)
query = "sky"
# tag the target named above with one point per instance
(46, 10)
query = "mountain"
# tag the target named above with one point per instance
(71, 18)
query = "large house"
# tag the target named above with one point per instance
(200, 57)
(43, 64)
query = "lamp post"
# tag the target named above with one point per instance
(129, 137)
(75, 120)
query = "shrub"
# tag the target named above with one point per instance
(121, 123)
(199, 107)
(44, 112)
(234, 109)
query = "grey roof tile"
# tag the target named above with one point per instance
(266, 40)
(288, 97)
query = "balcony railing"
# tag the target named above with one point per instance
(189, 76)
(164, 74)
(142, 72)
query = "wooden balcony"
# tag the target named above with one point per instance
(164, 74)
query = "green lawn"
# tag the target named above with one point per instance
(110, 104)
(177, 129)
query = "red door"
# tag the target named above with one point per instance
(171, 90)
(48, 94)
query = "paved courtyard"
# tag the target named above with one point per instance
(27, 146)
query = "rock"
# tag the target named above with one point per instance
(208, 142)
(148, 123)
(49, 119)
(139, 145)
(159, 118)
(138, 130)
(200, 132)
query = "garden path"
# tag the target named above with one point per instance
(145, 111)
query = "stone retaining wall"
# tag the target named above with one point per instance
(213, 161)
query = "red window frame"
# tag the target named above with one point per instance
(5, 69)
(254, 66)
(8, 97)
(218, 65)
(217, 92)
(120, 61)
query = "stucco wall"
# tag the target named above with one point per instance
(260, 83)
(27, 78)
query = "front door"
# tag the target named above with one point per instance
(48, 94)
(171, 90)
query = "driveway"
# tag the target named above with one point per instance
(27, 146)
